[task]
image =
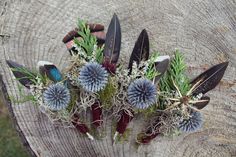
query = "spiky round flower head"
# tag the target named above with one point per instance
(56, 97)
(193, 123)
(142, 93)
(93, 77)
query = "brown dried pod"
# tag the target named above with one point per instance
(126, 117)
(96, 111)
(81, 127)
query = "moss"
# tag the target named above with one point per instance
(22, 96)
(124, 137)
(172, 133)
(107, 94)
(148, 112)
(97, 133)
(74, 98)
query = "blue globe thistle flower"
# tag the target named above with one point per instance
(56, 97)
(192, 124)
(142, 93)
(93, 77)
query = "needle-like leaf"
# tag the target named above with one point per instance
(209, 79)
(141, 50)
(113, 41)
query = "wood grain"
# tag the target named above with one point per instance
(32, 30)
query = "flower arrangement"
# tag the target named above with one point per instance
(95, 83)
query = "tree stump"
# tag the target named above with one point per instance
(205, 31)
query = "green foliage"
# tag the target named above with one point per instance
(88, 43)
(99, 54)
(151, 71)
(175, 74)
(28, 74)
(31, 75)
(98, 133)
(74, 97)
(107, 94)
(148, 112)
(23, 97)
(124, 137)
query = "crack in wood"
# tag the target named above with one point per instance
(4, 9)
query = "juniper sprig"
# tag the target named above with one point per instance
(175, 75)
(88, 43)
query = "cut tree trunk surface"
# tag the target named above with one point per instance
(205, 31)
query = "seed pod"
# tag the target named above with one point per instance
(81, 127)
(126, 117)
(96, 114)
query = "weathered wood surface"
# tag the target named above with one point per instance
(32, 30)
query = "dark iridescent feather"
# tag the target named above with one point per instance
(141, 49)
(113, 41)
(161, 66)
(22, 74)
(53, 73)
(201, 105)
(209, 79)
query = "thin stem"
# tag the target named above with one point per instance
(197, 101)
(177, 88)
(172, 106)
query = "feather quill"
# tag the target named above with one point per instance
(201, 105)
